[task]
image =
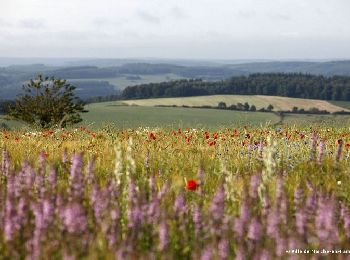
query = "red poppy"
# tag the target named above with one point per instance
(93, 135)
(211, 143)
(192, 185)
(152, 136)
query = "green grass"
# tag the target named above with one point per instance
(135, 116)
(343, 104)
(318, 120)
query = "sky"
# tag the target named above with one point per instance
(189, 29)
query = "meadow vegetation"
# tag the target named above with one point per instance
(243, 192)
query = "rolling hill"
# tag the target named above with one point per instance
(260, 101)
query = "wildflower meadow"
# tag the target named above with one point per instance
(156, 193)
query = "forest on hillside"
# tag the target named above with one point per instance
(274, 84)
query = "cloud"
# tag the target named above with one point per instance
(178, 13)
(246, 14)
(147, 17)
(280, 17)
(107, 23)
(4, 23)
(32, 24)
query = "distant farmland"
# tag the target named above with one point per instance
(124, 81)
(122, 117)
(279, 103)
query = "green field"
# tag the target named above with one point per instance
(122, 82)
(135, 116)
(343, 104)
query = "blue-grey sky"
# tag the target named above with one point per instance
(204, 29)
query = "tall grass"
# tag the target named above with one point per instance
(189, 193)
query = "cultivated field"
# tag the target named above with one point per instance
(242, 192)
(279, 103)
(123, 117)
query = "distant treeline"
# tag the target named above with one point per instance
(4, 104)
(252, 108)
(274, 84)
(269, 108)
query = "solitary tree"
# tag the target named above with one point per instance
(246, 106)
(222, 105)
(47, 102)
(270, 108)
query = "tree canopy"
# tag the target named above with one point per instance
(47, 102)
(273, 84)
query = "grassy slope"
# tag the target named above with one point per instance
(343, 104)
(279, 103)
(134, 116)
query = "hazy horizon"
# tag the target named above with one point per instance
(197, 29)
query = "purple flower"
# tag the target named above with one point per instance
(321, 147)
(300, 221)
(76, 176)
(263, 255)
(197, 219)
(281, 245)
(325, 221)
(283, 209)
(100, 201)
(134, 216)
(339, 150)
(279, 189)
(153, 210)
(179, 205)
(5, 165)
(217, 207)
(273, 223)
(239, 228)
(207, 253)
(223, 248)
(298, 197)
(74, 218)
(241, 254)
(265, 204)
(255, 230)
(52, 179)
(244, 211)
(310, 205)
(344, 213)
(254, 184)
(163, 235)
